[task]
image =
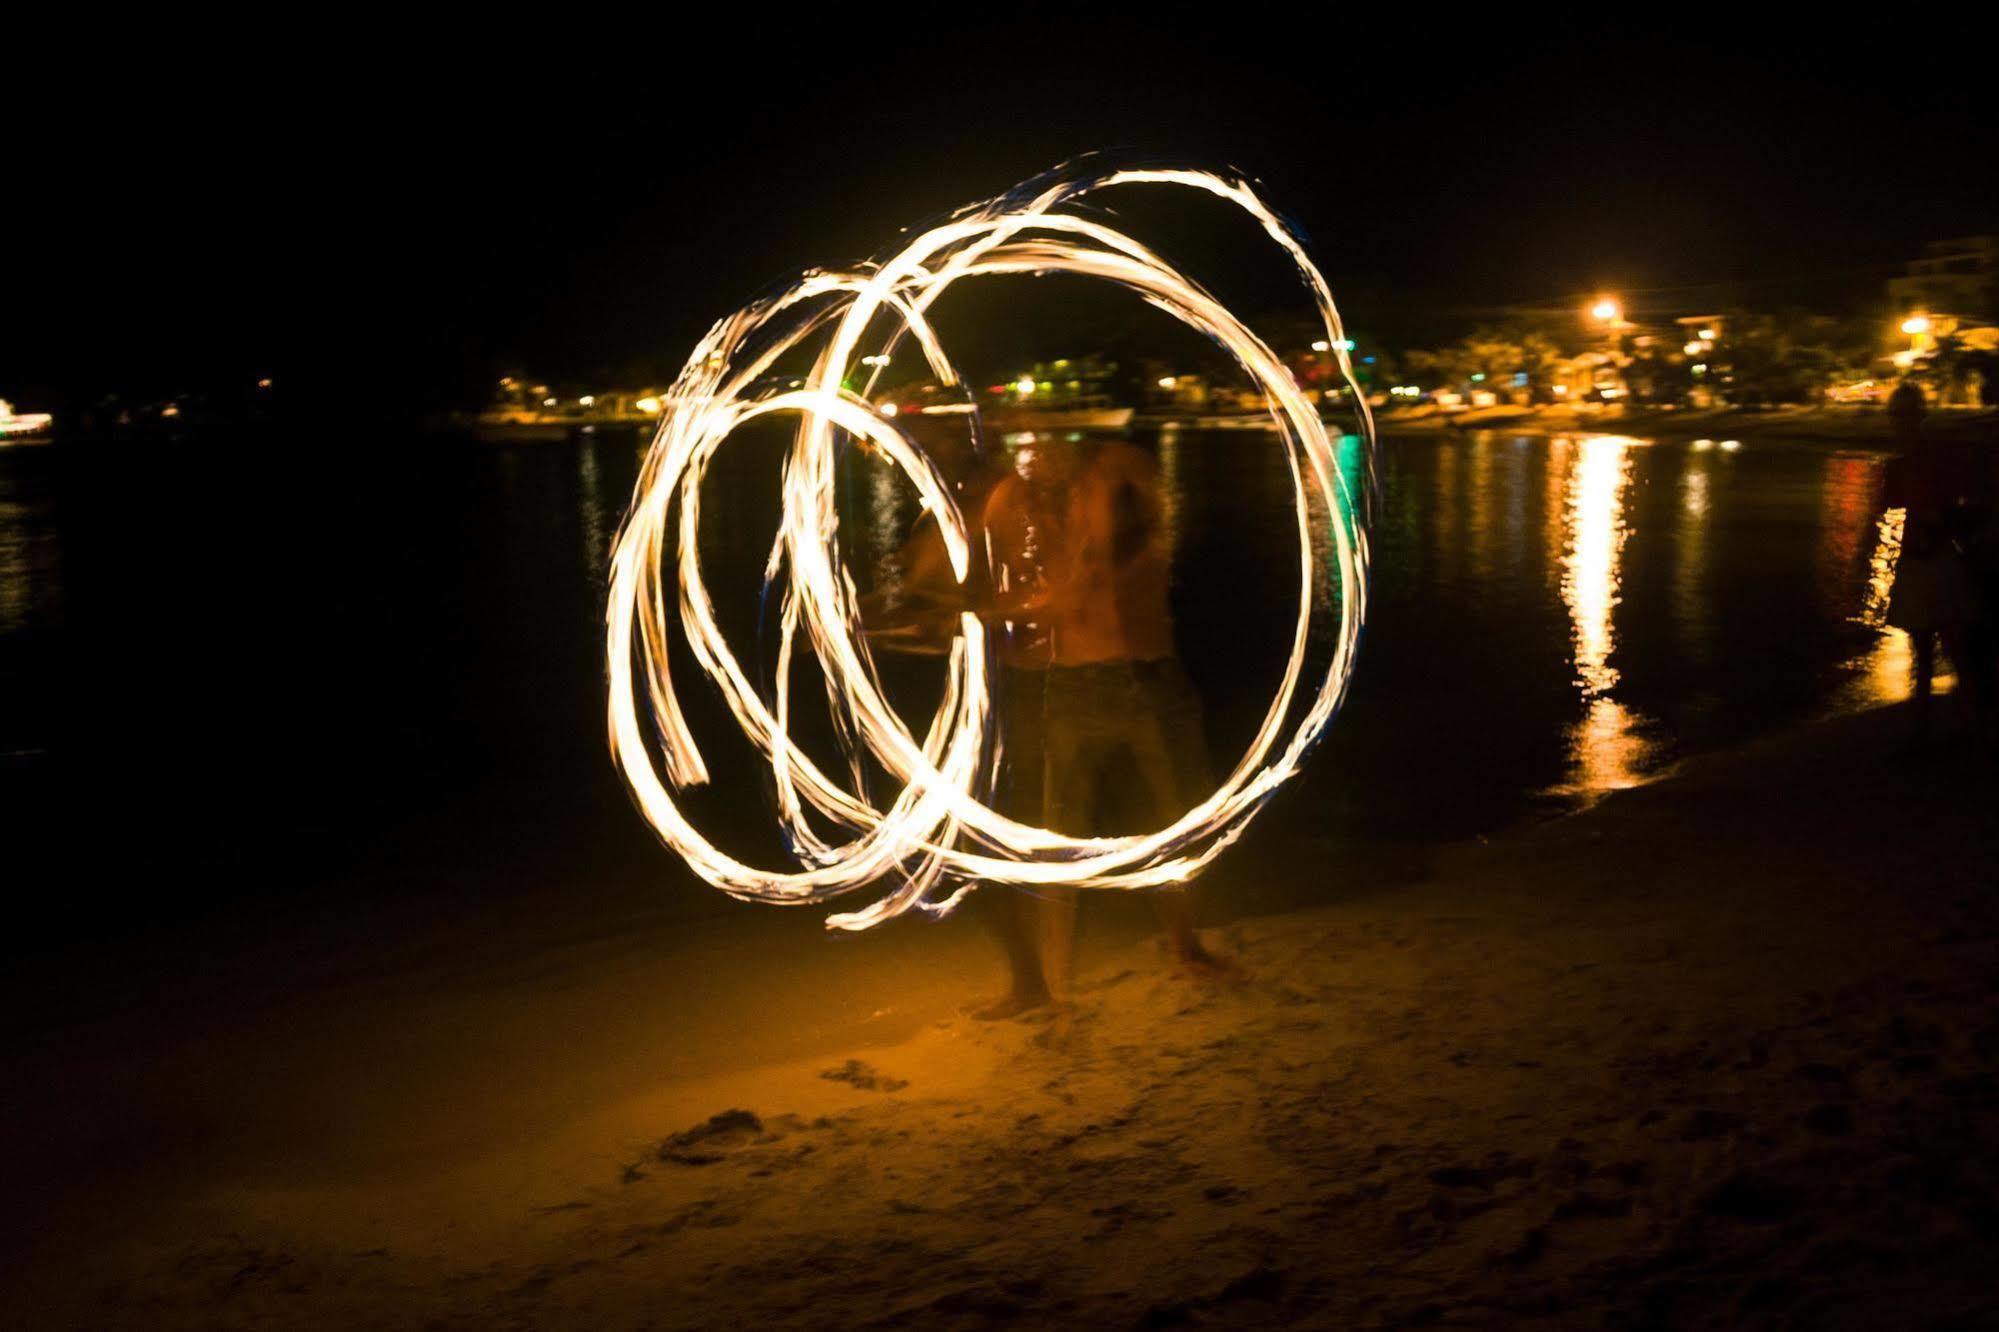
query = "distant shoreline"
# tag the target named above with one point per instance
(1846, 427)
(1838, 427)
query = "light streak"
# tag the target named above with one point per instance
(24, 423)
(938, 838)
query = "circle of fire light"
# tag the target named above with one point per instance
(939, 837)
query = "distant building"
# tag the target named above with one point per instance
(1954, 277)
(1700, 328)
(1699, 335)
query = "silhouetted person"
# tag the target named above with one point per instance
(1931, 599)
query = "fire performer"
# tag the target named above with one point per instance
(1092, 685)
(1089, 680)
(937, 838)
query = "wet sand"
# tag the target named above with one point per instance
(1722, 1051)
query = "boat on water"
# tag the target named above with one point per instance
(1024, 404)
(519, 428)
(531, 414)
(23, 427)
(1010, 418)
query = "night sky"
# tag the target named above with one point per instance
(401, 217)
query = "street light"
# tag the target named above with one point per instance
(1608, 312)
(1918, 327)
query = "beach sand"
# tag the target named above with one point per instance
(1718, 1052)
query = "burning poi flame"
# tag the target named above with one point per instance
(939, 837)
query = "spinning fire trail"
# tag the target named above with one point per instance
(938, 837)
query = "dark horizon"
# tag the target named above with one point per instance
(401, 226)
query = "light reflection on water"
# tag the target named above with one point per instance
(1706, 593)
(1890, 663)
(595, 503)
(1595, 531)
(1607, 748)
(30, 559)
(31, 605)
(1682, 562)
(1881, 564)
(1567, 615)
(1691, 550)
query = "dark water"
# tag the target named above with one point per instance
(305, 675)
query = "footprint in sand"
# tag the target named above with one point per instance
(705, 1144)
(864, 1077)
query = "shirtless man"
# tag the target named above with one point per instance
(1092, 683)
(1088, 681)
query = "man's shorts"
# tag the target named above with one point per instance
(1122, 747)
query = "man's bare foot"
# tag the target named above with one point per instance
(1010, 1005)
(1197, 963)
(1060, 1030)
